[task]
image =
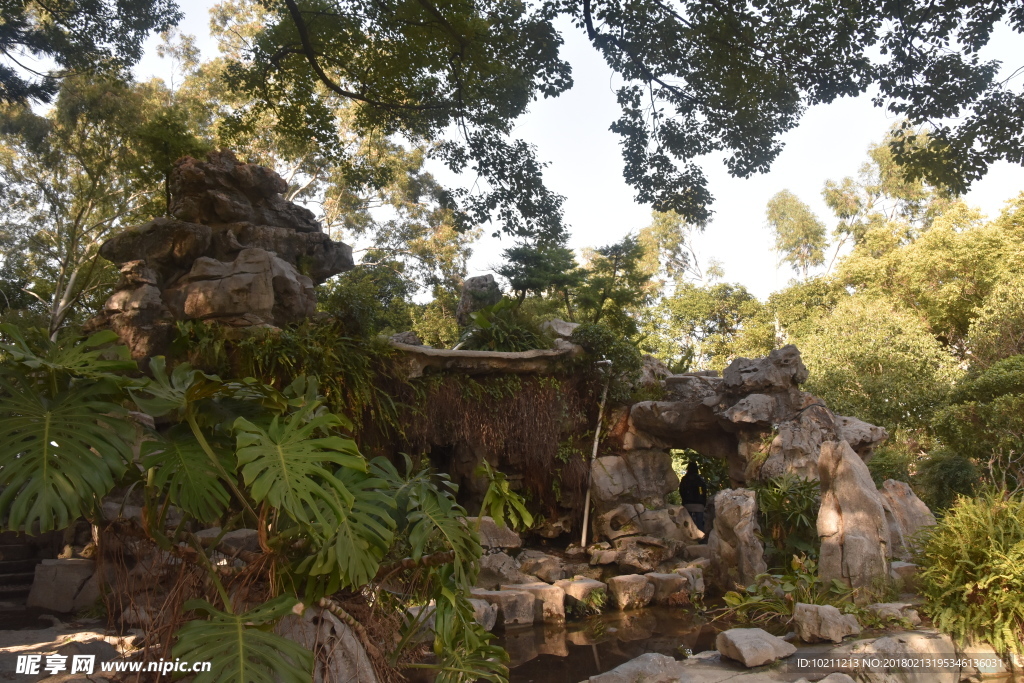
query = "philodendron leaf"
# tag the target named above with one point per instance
(95, 357)
(241, 647)
(175, 392)
(288, 465)
(184, 470)
(58, 454)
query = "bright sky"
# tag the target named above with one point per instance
(571, 134)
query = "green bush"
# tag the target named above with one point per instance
(503, 327)
(891, 461)
(602, 343)
(788, 507)
(972, 571)
(943, 476)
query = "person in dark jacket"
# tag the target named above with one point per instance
(693, 491)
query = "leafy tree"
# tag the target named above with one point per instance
(695, 81)
(703, 321)
(669, 253)
(542, 268)
(997, 329)
(799, 235)
(614, 286)
(77, 36)
(875, 360)
(73, 177)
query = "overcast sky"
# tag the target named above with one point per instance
(585, 165)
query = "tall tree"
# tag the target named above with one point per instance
(800, 236)
(614, 286)
(698, 78)
(75, 35)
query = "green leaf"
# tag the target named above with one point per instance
(183, 469)
(241, 648)
(285, 464)
(58, 454)
(94, 357)
(176, 392)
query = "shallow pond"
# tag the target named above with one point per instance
(580, 649)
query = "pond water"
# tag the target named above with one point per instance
(580, 649)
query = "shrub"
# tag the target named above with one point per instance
(788, 506)
(943, 476)
(972, 576)
(601, 343)
(503, 327)
(891, 461)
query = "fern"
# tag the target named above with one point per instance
(241, 648)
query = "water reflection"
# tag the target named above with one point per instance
(578, 650)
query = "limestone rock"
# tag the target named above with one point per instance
(557, 327)
(581, 588)
(640, 476)
(905, 572)
(911, 645)
(515, 607)
(665, 585)
(797, 446)
(631, 591)
(641, 554)
(851, 521)
(693, 578)
(484, 613)
(477, 292)
(862, 436)
(408, 337)
(815, 623)
(737, 554)
(621, 520)
(499, 568)
(752, 646)
(338, 654)
(57, 583)
(906, 515)
(895, 611)
(549, 601)
(758, 409)
(652, 372)
(672, 522)
(782, 369)
(492, 535)
(554, 527)
(223, 190)
(650, 667)
(545, 567)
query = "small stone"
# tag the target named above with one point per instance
(545, 567)
(665, 585)
(752, 646)
(650, 668)
(499, 568)
(581, 588)
(631, 591)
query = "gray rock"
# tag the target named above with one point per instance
(242, 539)
(545, 567)
(752, 646)
(515, 607)
(905, 573)
(851, 521)
(781, 370)
(797, 447)
(549, 601)
(630, 591)
(862, 436)
(906, 515)
(499, 568)
(58, 582)
(693, 577)
(672, 522)
(737, 554)
(911, 645)
(477, 292)
(815, 623)
(639, 476)
(756, 409)
(492, 535)
(581, 588)
(895, 611)
(484, 613)
(408, 337)
(557, 327)
(621, 520)
(665, 585)
(647, 668)
(338, 654)
(641, 554)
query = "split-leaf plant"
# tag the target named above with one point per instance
(330, 522)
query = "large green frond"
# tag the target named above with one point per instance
(241, 648)
(286, 465)
(94, 357)
(57, 454)
(175, 392)
(183, 469)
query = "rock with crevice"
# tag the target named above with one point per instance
(737, 553)
(499, 568)
(782, 369)
(630, 591)
(851, 520)
(906, 515)
(549, 601)
(57, 584)
(815, 623)
(641, 554)
(862, 436)
(477, 293)
(338, 654)
(545, 567)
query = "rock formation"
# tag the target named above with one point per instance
(477, 292)
(233, 251)
(737, 554)
(855, 543)
(906, 515)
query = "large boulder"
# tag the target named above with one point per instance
(851, 521)
(880, 658)
(545, 567)
(58, 584)
(650, 667)
(796, 448)
(781, 370)
(906, 515)
(499, 568)
(737, 553)
(672, 523)
(477, 292)
(234, 252)
(631, 591)
(640, 476)
(862, 436)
